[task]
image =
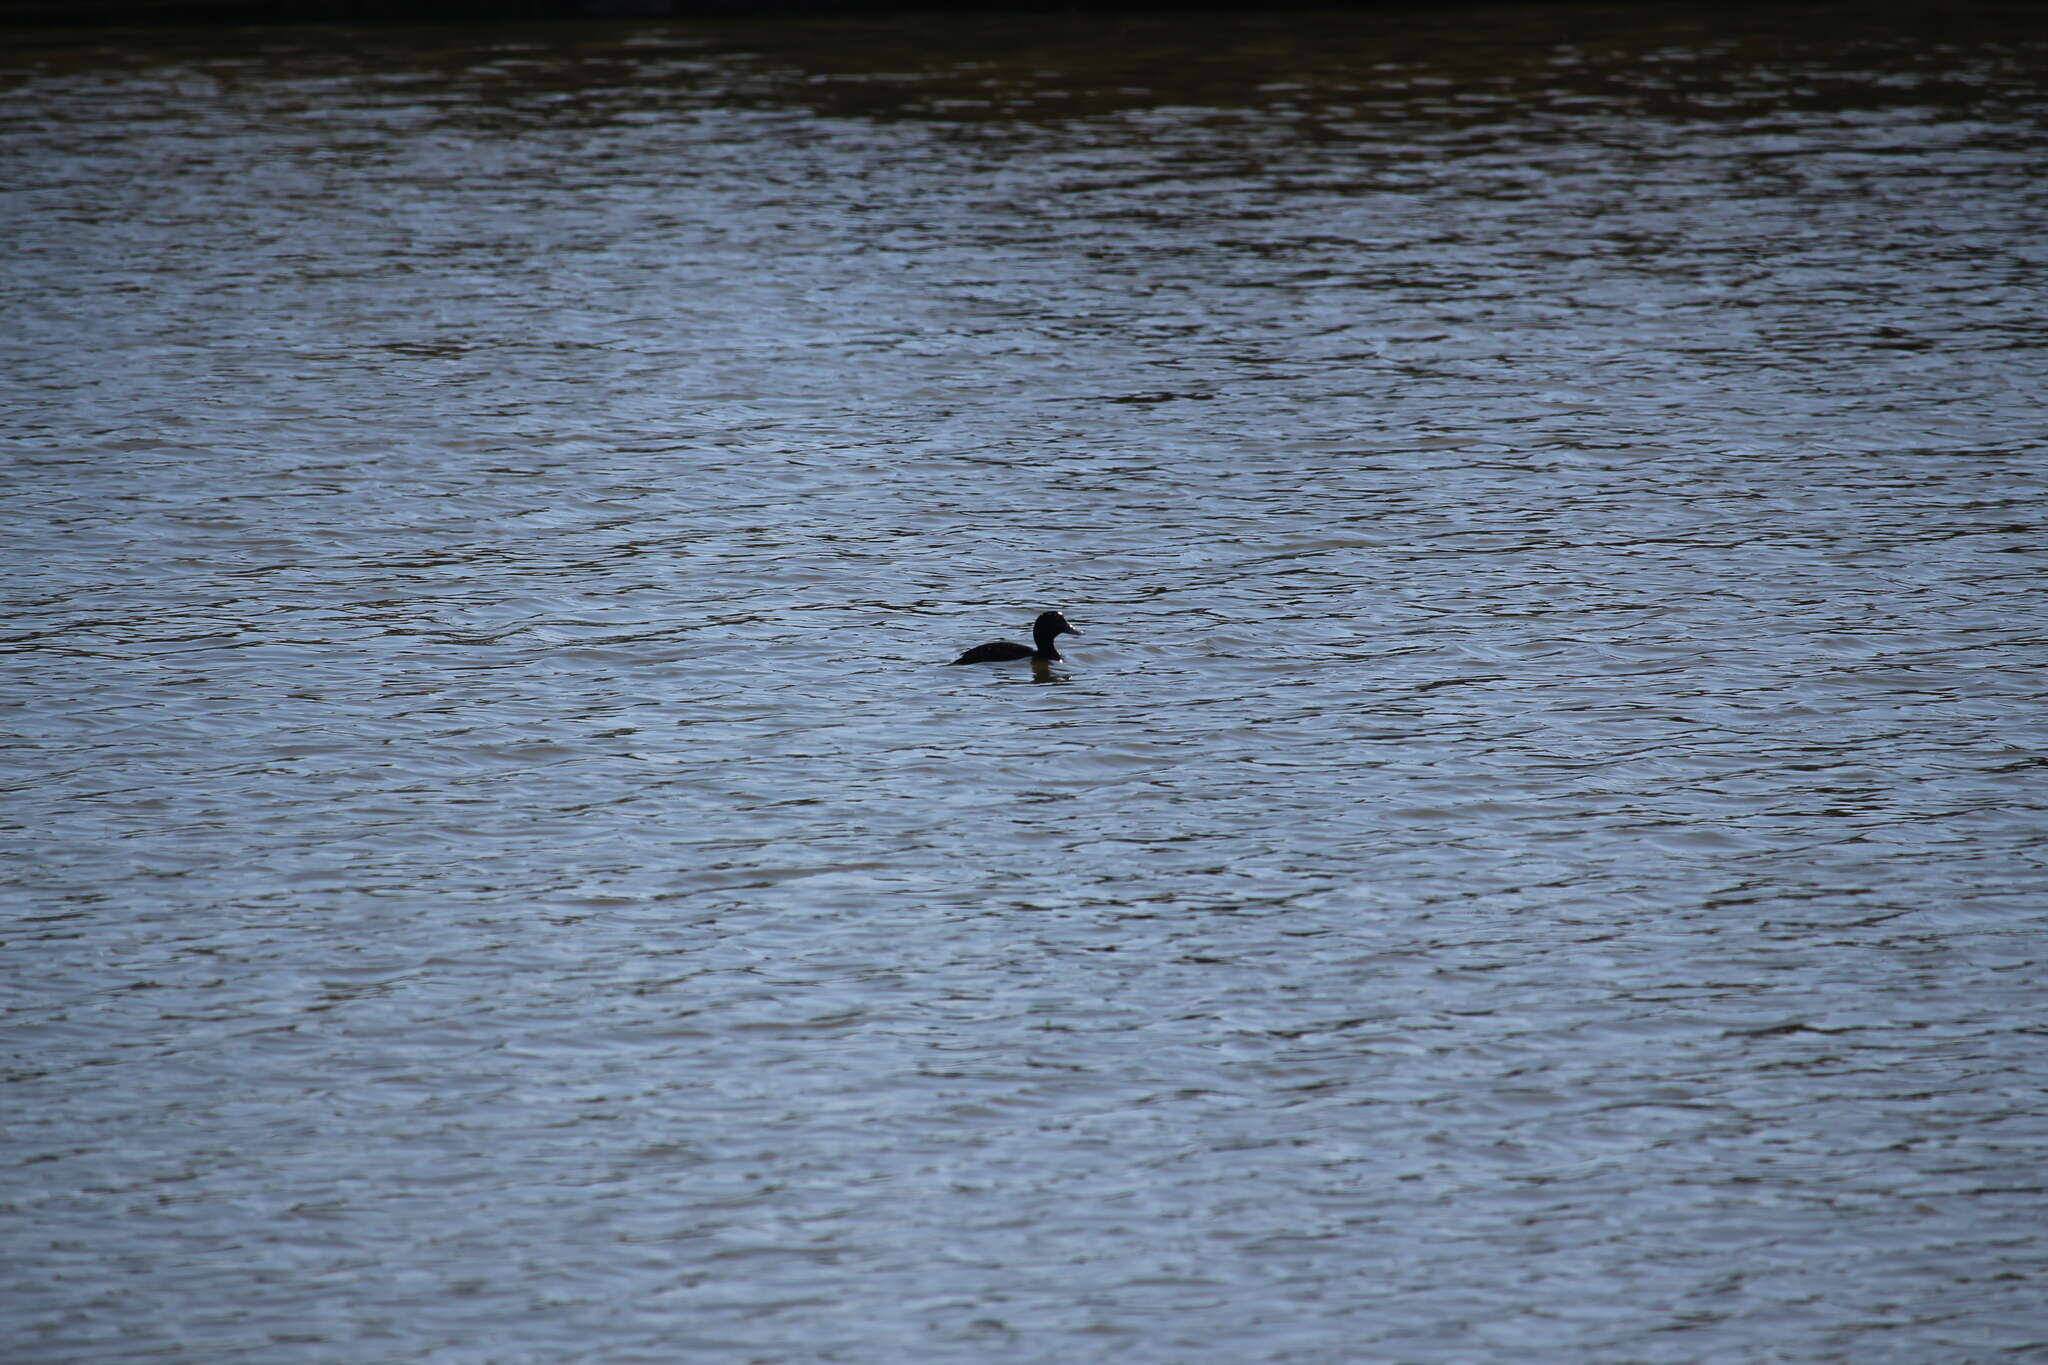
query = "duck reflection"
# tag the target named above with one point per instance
(1041, 672)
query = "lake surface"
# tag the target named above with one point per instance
(1537, 854)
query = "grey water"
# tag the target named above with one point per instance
(1536, 854)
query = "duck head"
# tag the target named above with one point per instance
(1050, 626)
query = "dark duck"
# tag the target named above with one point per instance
(1044, 631)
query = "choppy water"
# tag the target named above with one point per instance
(1537, 854)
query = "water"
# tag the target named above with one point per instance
(1537, 853)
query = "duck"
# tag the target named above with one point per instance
(1049, 626)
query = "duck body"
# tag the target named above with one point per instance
(1044, 632)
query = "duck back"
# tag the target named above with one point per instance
(995, 652)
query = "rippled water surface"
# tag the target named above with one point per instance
(1537, 854)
